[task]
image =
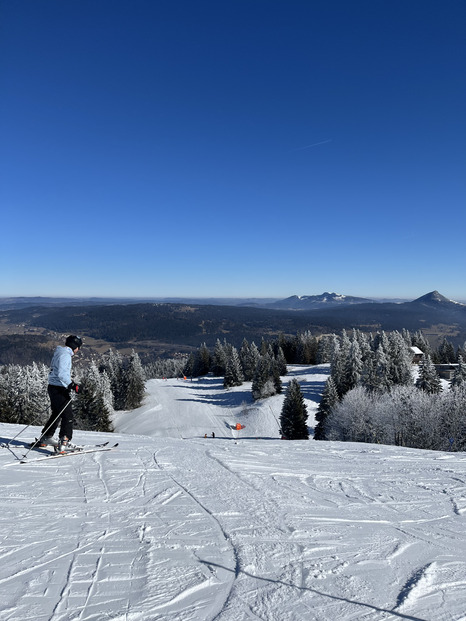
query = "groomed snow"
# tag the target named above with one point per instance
(173, 526)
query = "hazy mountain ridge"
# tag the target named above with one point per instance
(293, 302)
(163, 328)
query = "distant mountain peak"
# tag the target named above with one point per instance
(434, 297)
(325, 300)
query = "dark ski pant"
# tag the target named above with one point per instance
(59, 398)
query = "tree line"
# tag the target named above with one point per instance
(110, 382)
(263, 367)
(370, 395)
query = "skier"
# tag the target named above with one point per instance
(60, 389)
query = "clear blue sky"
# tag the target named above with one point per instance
(233, 147)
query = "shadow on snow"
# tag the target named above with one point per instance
(211, 390)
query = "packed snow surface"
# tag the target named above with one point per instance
(174, 526)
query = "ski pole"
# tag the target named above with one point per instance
(52, 423)
(22, 431)
(13, 439)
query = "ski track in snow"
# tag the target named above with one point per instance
(231, 529)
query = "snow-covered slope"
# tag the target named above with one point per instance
(183, 408)
(173, 526)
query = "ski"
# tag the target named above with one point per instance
(82, 451)
(77, 448)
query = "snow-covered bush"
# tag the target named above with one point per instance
(404, 416)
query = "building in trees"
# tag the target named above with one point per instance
(416, 354)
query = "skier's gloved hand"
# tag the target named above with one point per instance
(72, 387)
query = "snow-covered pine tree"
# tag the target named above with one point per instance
(420, 341)
(93, 405)
(204, 360)
(407, 337)
(334, 347)
(382, 379)
(324, 348)
(293, 417)
(353, 366)
(198, 362)
(264, 348)
(337, 368)
(219, 359)
(245, 359)
(400, 360)
(134, 382)
(459, 376)
(38, 399)
(277, 380)
(16, 403)
(327, 403)
(446, 352)
(369, 377)
(262, 383)
(113, 364)
(190, 364)
(428, 379)
(306, 348)
(23, 394)
(343, 355)
(364, 346)
(380, 338)
(249, 356)
(12, 384)
(5, 412)
(233, 372)
(281, 362)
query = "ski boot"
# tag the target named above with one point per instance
(66, 446)
(44, 442)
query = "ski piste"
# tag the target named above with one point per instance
(98, 448)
